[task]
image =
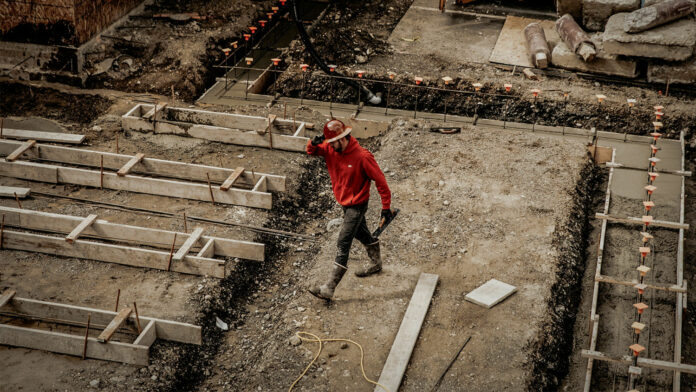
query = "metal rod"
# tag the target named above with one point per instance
(137, 318)
(118, 296)
(84, 348)
(171, 254)
(210, 188)
(18, 202)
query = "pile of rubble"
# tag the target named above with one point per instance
(624, 37)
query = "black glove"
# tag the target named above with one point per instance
(386, 216)
(317, 140)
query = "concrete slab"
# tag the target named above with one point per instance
(682, 72)
(455, 38)
(510, 47)
(595, 13)
(673, 42)
(490, 293)
(605, 64)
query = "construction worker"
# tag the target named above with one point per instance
(351, 168)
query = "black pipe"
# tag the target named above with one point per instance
(371, 97)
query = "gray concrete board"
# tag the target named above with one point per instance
(595, 13)
(674, 41)
(606, 64)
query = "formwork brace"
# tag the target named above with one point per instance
(136, 353)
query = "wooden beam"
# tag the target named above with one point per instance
(129, 165)
(638, 221)
(114, 325)
(6, 297)
(153, 186)
(671, 288)
(72, 345)
(168, 330)
(135, 257)
(40, 136)
(642, 362)
(208, 250)
(232, 178)
(10, 191)
(149, 166)
(20, 150)
(406, 338)
(63, 224)
(147, 336)
(186, 247)
(152, 113)
(87, 222)
(645, 169)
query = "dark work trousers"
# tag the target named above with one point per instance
(354, 226)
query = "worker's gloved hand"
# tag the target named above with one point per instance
(386, 216)
(317, 140)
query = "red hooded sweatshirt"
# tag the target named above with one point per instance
(351, 172)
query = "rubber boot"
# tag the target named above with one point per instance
(375, 263)
(326, 291)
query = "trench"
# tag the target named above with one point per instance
(549, 358)
(191, 363)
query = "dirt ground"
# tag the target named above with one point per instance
(478, 205)
(455, 206)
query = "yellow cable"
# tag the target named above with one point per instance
(321, 342)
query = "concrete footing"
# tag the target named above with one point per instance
(682, 72)
(671, 42)
(603, 63)
(595, 13)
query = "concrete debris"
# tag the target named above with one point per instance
(681, 72)
(103, 66)
(606, 64)
(657, 15)
(596, 13)
(672, 42)
(94, 383)
(575, 37)
(221, 324)
(529, 74)
(490, 293)
(537, 46)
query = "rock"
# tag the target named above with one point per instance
(672, 42)
(344, 345)
(334, 224)
(94, 383)
(103, 66)
(117, 380)
(595, 13)
(603, 63)
(295, 340)
(446, 203)
(360, 59)
(154, 377)
(97, 128)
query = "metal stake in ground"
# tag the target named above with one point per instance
(84, 347)
(332, 68)
(391, 76)
(304, 68)
(418, 81)
(447, 81)
(118, 296)
(249, 60)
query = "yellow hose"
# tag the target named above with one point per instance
(316, 339)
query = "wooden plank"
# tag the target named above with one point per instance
(6, 296)
(72, 345)
(88, 221)
(681, 300)
(260, 185)
(114, 325)
(642, 362)
(248, 138)
(638, 221)
(149, 166)
(40, 136)
(208, 250)
(128, 166)
(135, 257)
(186, 247)
(406, 338)
(300, 132)
(645, 169)
(153, 186)
(10, 191)
(147, 336)
(232, 178)
(157, 109)
(671, 288)
(56, 223)
(20, 150)
(166, 329)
